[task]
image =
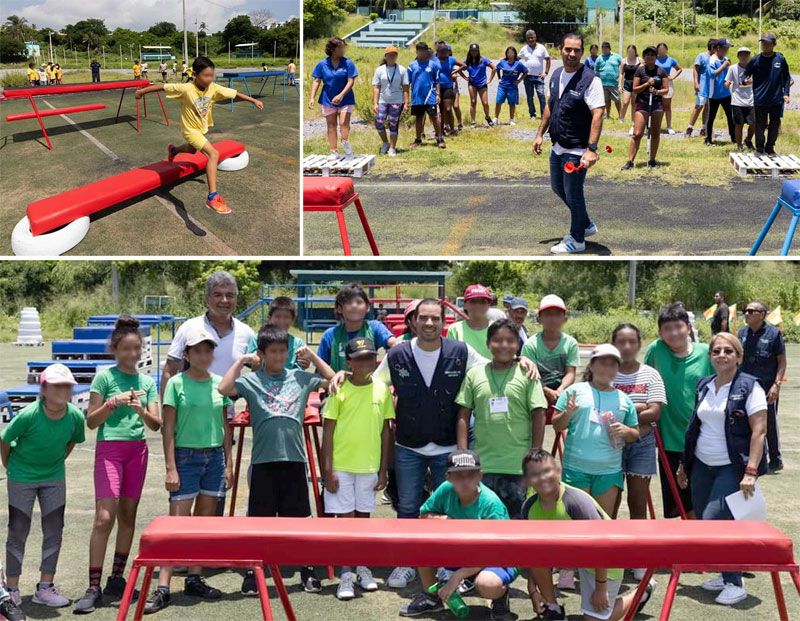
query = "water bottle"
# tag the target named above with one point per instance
(616, 441)
(455, 603)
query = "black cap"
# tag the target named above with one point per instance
(768, 36)
(463, 460)
(650, 48)
(359, 346)
(723, 42)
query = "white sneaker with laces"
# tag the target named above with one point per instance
(568, 245)
(345, 589)
(496, 122)
(670, 131)
(400, 577)
(49, 596)
(592, 230)
(384, 148)
(348, 150)
(391, 153)
(731, 594)
(364, 579)
(715, 584)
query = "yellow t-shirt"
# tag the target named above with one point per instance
(196, 104)
(51, 74)
(137, 70)
(59, 74)
(33, 75)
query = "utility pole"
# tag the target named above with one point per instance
(717, 12)
(185, 35)
(634, 24)
(120, 56)
(196, 40)
(104, 57)
(632, 284)
(760, 16)
(434, 20)
(622, 28)
(50, 36)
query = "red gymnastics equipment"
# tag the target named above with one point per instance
(254, 542)
(29, 92)
(24, 116)
(570, 168)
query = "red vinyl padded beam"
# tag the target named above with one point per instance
(22, 116)
(63, 89)
(50, 213)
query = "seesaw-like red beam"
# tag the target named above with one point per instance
(22, 116)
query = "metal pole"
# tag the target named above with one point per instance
(120, 56)
(634, 24)
(185, 35)
(760, 16)
(50, 36)
(196, 40)
(683, 27)
(229, 52)
(621, 27)
(632, 284)
(434, 20)
(275, 52)
(717, 12)
(104, 57)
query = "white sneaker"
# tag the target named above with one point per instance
(731, 594)
(716, 584)
(630, 131)
(638, 574)
(391, 153)
(568, 245)
(566, 577)
(511, 123)
(16, 596)
(345, 589)
(592, 230)
(50, 596)
(348, 150)
(670, 131)
(334, 153)
(496, 122)
(364, 579)
(384, 148)
(443, 575)
(400, 577)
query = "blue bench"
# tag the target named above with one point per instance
(100, 332)
(80, 347)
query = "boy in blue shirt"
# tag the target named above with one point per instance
(423, 75)
(718, 94)
(512, 72)
(448, 89)
(701, 88)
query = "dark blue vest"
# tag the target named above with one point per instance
(570, 117)
(737, 425)
(427, 414)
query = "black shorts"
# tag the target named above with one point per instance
(279, 489)
(670, 506)
(743, 115)
(448, 93)
(421, 109)
(627, 86)
(642, 106)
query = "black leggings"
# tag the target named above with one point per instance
(713, 106)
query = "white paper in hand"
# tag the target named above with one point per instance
(753, 508)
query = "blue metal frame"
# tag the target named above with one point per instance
(243, 75)
(787, 242)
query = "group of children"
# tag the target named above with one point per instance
(46, 74)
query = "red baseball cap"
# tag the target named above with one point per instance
(477, 292)
(411, 307)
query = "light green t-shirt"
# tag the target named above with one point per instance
(123, 423)
(680, 377)
(445, 501)
(39, 443)
(359, 412)
(460, 331)
(501, 437)
(552, 363)
(198, 411)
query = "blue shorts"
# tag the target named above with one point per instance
(201, 471)
(699, 100)
(639, 458)
(508, 94)
(507, 575)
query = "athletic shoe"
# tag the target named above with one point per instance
(592, 230)
(91, 600)
(391, 153)
(473, 125)
(533, 116)
(310, 581)
(16, 596)
(501, 610)
(731, 594)
(652, 164)
(689, 131)
(648, 593)
(760, 152)
(467, 585)
(334, 153)
(708, 143)
(417, 143)
(249, 586)
(443, 575)
(702, 131)
(384, 148)
(440, 143)
(421, 604)
(715, 584)
(10, 610)
(511, 123)
(776, 466)
(630, 131)
(348, 150)
(489, 122)
(627, 165)
(749, 144)
(49, 596)
(740, 148)
(115, 588)
(553, 614)
(157, 601)
(460, 127)
(496, 121)
(196, 586)
(638, 574)
(400, 577)
(345, 589)
(568, 245)
(364, 579)
(218, 205)
(770, 151)
(566, 577)
(670, 131)
(170, 154)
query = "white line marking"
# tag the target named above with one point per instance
(411, 184)
(88, 136)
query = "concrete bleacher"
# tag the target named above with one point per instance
(381, 34)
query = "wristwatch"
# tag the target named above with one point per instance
(592, 146)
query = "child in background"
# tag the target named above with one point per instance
(356, 444)
(33, 75)
(478, 85)
(423, 81)
(281, 314)
(291, 72)
(163, 69)
(277, 400)
(197, 100)
(42, 76)
(184, 72)
(509, 415)
(8, 607)
(144, 70)
(197, 451)
(512, 72)
(34, 447)
(51, 73)
(474, 329)
(122, 402)
(137, 70)
(59, 74)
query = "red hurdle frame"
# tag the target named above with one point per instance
(339, 210)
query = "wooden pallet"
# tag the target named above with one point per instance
(747, 164)
(338, 165)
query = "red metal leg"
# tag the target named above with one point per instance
(263, 594)
(144, 101)
(148, 576)
(776, 584)
(119, 107)
(343, 232)
(138, 120)
(638, 596)
(795, 574)
(673, 486)
(41, 125)
(312, 466)
(669, 596)
(365, 224)
(650, 507)
(163, 109)
(127, 596)
(236, 469)
(282, 593)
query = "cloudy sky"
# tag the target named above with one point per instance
(141, 14)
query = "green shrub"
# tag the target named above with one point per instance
(14, 78)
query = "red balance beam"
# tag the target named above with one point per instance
(22, 116)
(50, 213)
(64, 89)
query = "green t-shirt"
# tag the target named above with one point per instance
(680, 377)
(123, 423)
(445, 501)
(198, 411)
(359, 412)
(39, 443)
(607, 67)
(588, 447)
(277, 406)
(572, 504)
(295, 343)
(460, 331)
(552, 363)
(502, 436)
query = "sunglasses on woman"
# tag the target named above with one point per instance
(723, 350)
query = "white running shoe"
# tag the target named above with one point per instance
(348, 150)
(511, 122)
(568, 245)
(391, 153)
(345, 589)
(716, 584)
(592, 230)
(731, 594)
(384, 148)
(566, 577)
(496, 122)
(400, 577)
(638, 574)
(364, 579)
(670, 131)
(630, 131)
(50, 596)
(334, 153)
(16, 596)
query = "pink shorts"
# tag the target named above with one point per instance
(328, 110)
(120, 467)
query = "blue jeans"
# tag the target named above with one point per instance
(710, 485)
(409, 469)
(569, 187)
(533, 84)
(201, 471)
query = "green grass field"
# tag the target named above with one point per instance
(173, 220)
(691, 603)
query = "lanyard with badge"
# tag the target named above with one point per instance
(498, 402)
(595, 415)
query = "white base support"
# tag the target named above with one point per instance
(26, 244)
(237, 162)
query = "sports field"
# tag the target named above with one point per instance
(691, 602)
(173, 220)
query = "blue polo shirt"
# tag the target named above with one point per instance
(761, 351)
(510, 72)
(423, 77)
(716, 84)
(477, 72)
(701, 62)
(379, 330)
(447, 66)
(667, 64)
(334, 80)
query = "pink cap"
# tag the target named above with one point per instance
(477, 292)
(57, 374)
(411, 307)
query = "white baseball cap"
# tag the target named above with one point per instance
(606, 349)
(57, 374)
(551, 300)
(200, 335)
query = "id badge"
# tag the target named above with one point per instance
(594, 416)
(498, 405)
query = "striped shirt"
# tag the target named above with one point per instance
(643, 386)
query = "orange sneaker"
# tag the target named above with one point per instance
(219, 205)
(170, 155)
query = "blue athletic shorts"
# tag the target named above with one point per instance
(507, 94)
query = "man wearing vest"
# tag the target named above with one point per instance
(574, 117)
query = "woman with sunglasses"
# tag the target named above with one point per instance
(724, 451)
